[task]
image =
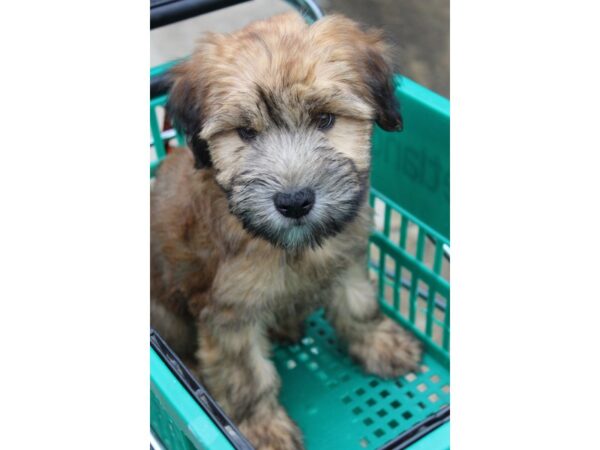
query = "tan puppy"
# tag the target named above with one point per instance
(266, 218)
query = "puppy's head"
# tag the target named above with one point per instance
(283, 113)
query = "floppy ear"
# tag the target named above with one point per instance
(185, 108)
(378, 76)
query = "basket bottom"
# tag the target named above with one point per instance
(339, 406)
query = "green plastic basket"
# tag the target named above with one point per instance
(335, 403)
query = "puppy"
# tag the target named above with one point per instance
(266, 218)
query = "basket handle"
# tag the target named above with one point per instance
(166, 12)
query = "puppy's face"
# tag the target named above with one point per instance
(283, 113)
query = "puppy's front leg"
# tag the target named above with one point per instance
(234, 365)
(376, 341)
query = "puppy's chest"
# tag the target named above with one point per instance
(257, 278)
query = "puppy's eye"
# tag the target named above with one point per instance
(247, 134)
(325, 121)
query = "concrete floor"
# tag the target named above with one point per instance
(419, 30)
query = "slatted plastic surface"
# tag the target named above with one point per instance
(338, 406)
(408, 265)
(160, 136)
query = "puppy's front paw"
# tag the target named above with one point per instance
(387, 350)
(273, 430)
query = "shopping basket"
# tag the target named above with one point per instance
(336, 404)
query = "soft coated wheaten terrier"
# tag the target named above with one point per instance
(266, 218)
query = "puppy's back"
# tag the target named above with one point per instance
(185, 247)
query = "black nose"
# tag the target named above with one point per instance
(295, 204)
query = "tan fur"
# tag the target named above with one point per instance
(211, 277)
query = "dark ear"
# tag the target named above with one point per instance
(185, 109)
(380, 82)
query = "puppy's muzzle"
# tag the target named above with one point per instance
(294, 204)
